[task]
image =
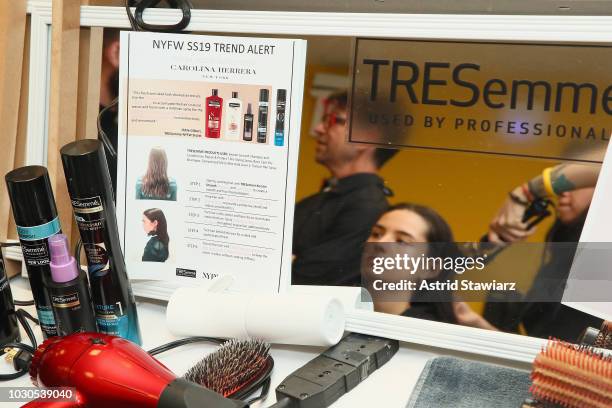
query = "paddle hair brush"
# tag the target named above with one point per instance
(235, 370)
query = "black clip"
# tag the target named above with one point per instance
(138, 22)
(536, 212)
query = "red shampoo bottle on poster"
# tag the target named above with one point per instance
(214, 110)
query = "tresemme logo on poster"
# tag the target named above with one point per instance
(87, 205)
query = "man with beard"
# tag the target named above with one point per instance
(330, 227)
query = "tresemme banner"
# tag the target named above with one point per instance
(534, 100)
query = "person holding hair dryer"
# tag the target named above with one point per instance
(572, 187)
(507, 226)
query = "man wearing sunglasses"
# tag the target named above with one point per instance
(330, 227)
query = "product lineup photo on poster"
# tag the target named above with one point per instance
(241, 117)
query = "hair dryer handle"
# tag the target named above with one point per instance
(181, 393)
(77, 402)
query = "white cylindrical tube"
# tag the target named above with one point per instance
(309, 320)
(198, 312)
(352, 297)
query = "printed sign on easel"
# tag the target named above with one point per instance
(208, 141)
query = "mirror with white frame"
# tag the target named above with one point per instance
(435, 195)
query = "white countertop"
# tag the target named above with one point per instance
(391, 385)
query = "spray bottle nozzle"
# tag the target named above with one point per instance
(58, 246)
(63, 265)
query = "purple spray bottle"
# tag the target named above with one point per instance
(69, 290)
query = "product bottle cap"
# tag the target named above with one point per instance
(234, 94)
(264, 94)
(249, 109)
(31, 196)
(86, 169)
(281, 95)
(215, 92)
(63, 265)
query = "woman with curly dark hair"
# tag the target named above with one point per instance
(408, 224)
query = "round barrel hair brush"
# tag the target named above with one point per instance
(572, 376)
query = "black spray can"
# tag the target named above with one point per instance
(69, 290)
(9, 331)
(279, 129)
(36, 217)
(262, 116)
(91, 193)
(247, 129)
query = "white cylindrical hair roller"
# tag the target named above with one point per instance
(300, 319)
(352, 297)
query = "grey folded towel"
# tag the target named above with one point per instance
(458, 383)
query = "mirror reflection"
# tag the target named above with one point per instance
(380, 195)
(354, 195)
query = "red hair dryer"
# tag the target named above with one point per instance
(109, 371)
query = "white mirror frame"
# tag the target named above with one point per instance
(558, 29)
(39, 74)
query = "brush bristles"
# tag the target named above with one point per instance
(235, 364)
(572, 376)
(604, 339)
